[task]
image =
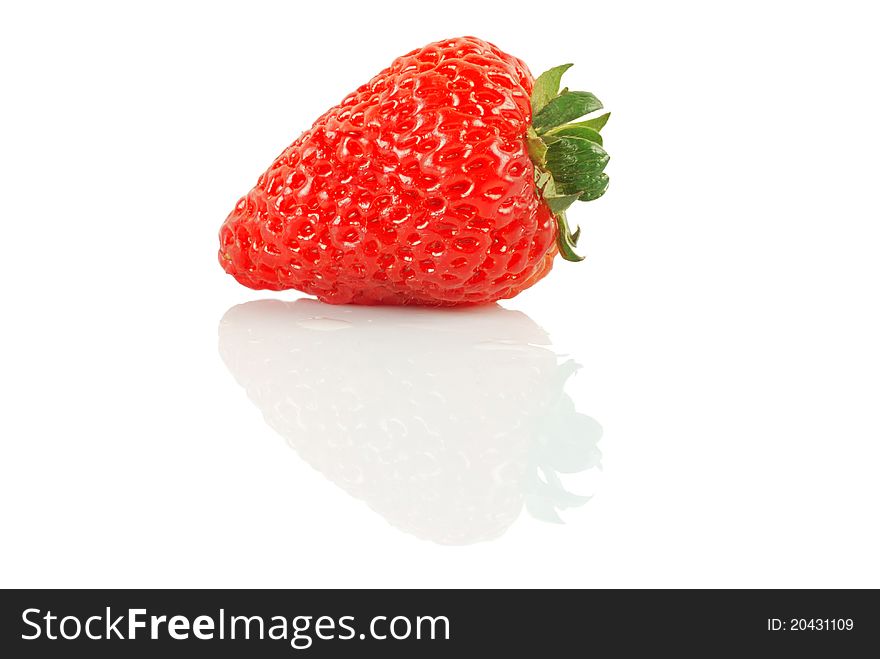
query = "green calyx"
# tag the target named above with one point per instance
(568, 155)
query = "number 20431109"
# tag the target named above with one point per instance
(810, 624)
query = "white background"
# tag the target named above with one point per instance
(726, 316)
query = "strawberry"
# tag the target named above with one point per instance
(444, 433)
(444, 180)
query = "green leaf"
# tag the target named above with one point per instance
(568, 155)
(566, 107)
(565, 240)
(578, 130)
(543, 181)
(596, 188)
(537, 148)
(559, 204)
(597, 123)
(575, 164)
(547, 87)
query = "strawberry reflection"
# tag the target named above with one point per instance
(445, 422)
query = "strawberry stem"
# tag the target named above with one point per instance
(569, 156)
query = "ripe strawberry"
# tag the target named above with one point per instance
(444, 180)
(444, 433)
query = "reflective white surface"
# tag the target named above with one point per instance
(444, 422)
(726, 317)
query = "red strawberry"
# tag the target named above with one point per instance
(444, 180)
